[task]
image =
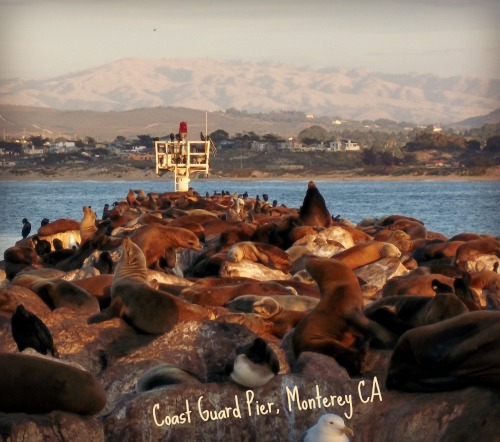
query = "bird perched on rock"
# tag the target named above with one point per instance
(26, 228)
(255, 364)
(329, 428)
(29, 331)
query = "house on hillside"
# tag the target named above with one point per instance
(344, 145)
(62, 147)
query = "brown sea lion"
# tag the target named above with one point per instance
(58, 293)
(218, 295)
(475, 247)
(451, 354)
(402, 313)
(437, 250)
(313, 211)
(283, 319)
(156, 240)
(58, 226)
(98, 286)
(366, 253)
(337, 326)
(414, 228)
(414, 283)
(87, 224)
(31, 384)
(145, 308)
(19, 258)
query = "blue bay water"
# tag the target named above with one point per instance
(449, 207)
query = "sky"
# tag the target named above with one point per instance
(41, 39)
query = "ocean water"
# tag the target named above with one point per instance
(448, 207)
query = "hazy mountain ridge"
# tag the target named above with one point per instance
(259, 87)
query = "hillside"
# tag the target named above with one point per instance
(215, 85)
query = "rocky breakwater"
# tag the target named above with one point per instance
(223, 317)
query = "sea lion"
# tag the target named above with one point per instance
(19, 258)
(155, 240)
(470, 249)
(32, 384)
(58, 293)
(163, 375)
(451, 354)
(244, 303)
(484, 283)
(439, 250)
(87, 224)
(220, 294)
(58, 226)
(337, 326)
(29, 331)
(283, 319)
(366, 253)
(267, 254)
(402, 313)
(414, 228)
(255, 364)
(98, 286)
(143, 307)
(414, 283)
(313, 211)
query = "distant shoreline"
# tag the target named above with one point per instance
(97, 174)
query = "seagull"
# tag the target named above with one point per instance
(329, 428)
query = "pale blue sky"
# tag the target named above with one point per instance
(47, 38)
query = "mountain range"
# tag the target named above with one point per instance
(215, 85)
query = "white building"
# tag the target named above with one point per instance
(62, 147)
(344, 145)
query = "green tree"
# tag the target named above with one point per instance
(313, 135)
(493, 144)
(219, 135)
(37, 140)
(473, 145)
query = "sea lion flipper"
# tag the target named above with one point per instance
(113, 311)
(380, 336)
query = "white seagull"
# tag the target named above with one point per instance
(329, 428)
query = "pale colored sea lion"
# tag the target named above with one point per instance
(245, 303)
(267, 254)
